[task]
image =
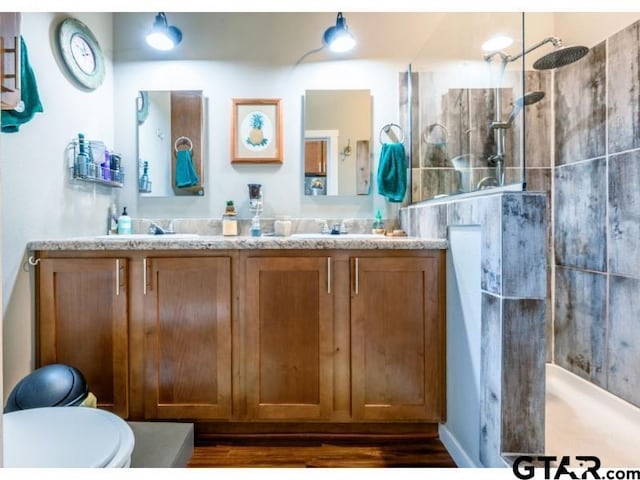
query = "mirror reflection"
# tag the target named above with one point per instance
(170, 143)
(337, 142)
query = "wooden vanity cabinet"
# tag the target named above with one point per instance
(398, 338)
(288, 327)
(83, 320)
(187, 338)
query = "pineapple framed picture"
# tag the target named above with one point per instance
(256, 131)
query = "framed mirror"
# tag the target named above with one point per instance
(337, 142)
(170, 143)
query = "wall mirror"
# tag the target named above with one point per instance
(337, 142)
(170, 143)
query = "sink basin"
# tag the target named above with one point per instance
(328, 236)
(147, 236)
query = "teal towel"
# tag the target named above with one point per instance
(392, 172)
(12, 119)
(186, 175)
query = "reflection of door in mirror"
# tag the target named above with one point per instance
(163, 117)
(335, 121)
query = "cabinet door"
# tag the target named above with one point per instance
(187, 310)
(82, 322)
(397, 338)
(289, 338)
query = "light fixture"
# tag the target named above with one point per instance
(163, 36)
(339, 38)
(497, 42)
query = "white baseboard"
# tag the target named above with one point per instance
(458, 454)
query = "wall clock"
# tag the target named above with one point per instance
(81, 53)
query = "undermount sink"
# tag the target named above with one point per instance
(346, 236)
(147, 236)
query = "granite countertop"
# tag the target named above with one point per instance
(217, 242)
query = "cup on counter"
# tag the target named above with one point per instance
(282, 226)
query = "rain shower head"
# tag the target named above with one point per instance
(560, 57)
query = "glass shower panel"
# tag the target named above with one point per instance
(465, 106)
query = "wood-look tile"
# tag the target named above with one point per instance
(579, 326)
(580, 215)
(624, 214)
(623, 87)
(623, 346)
(535, 121)
(523, 391)
(438, 181)
(580, 112)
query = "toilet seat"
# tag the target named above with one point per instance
(66, 437)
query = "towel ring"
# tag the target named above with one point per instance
(180, 140)
(430, 130)
(391, 134)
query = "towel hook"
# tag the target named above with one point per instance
(180, 140)
(391, 134)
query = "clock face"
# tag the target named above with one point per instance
(80, 53)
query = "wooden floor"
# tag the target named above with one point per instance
(425, 453)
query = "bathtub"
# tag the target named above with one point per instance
(583, 419)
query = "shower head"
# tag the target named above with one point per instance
(527, 99)
(560, 57)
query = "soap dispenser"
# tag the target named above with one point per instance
(124, 223)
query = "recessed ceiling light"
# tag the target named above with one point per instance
(497, 42)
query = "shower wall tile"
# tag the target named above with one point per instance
(580, 112)
(624, 214)
(456, 119)
(438, 181)
(624, 338)
(537, 121)
(523, 365)
(481, 114)
(432, 222)
(580, 215)
(416, 185)
(524, 246)
(624, 89)
(491, 381)
(579, 328)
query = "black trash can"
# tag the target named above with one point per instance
(55, 385)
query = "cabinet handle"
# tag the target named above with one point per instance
(329, 275)
(117, 277)
(357, 279)
(144, 276)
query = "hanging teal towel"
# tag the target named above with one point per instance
(12, 119)
(392, 172)
(186, 175)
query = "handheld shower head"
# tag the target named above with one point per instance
(527, 99)
(560, 57)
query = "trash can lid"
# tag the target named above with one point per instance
(55, 385)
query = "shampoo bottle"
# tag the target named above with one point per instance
(378, 227)
(124, 223)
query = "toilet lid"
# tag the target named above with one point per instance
(60, 437)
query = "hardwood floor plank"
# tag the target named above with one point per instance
(427, 453)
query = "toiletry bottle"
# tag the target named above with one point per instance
(256, 231)
(144, 179)
(124, 223)
(82, 159)
(378, 226)
(229, 220)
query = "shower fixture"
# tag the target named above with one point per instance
(559, 57)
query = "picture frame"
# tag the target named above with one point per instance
(256, 131)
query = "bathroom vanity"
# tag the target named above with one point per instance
(251, 335)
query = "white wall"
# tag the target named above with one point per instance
(37, 200)
(220, 83)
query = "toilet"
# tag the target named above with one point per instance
(66, 437)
